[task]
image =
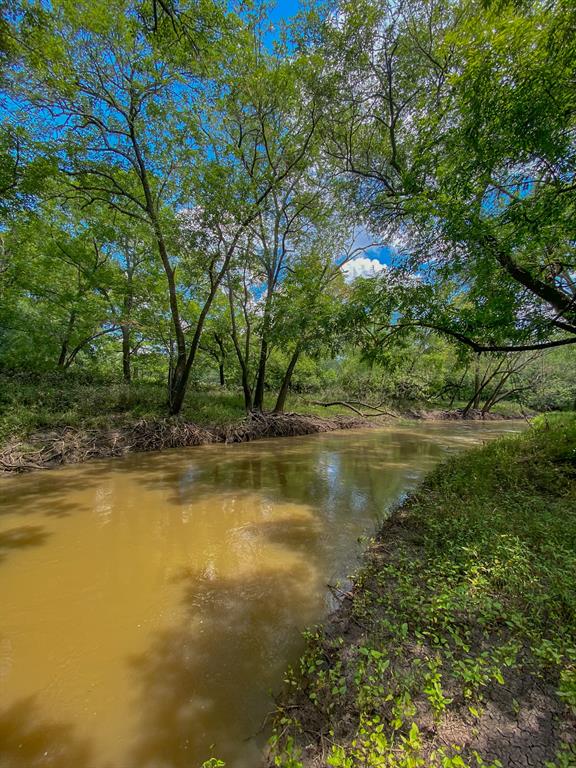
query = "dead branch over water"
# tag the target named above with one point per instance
(373, 410)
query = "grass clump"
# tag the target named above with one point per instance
(458, 646)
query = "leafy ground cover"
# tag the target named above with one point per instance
(456, 645)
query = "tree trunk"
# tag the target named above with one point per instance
(283, 393)
(261, 377)
(126, 353)
(242, 358)
(456, 390)
(181, 377)
(63, 353)
(66, 340)
(246, 388)
(560, 301)
(261, 371)
(178, 382)
(222, 359)
(126, 328)
(492, 399)
(477, 384)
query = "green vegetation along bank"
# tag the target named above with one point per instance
(75, 436)
(456, 645)
(47, 421)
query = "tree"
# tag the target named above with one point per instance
(148, 129)
(124, 110)
(216, 337)
(455, 125)
(58, 276)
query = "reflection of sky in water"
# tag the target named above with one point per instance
(358, 501)
(188, 478)
(328, 466)
(103, 503)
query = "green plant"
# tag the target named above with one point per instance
(433, 690)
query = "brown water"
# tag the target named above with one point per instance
(150, 604)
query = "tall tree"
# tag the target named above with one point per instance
(455, 123)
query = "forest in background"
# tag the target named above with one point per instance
(204, 211)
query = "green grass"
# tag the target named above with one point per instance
(41, 403)
(470, 589)
(32, 404)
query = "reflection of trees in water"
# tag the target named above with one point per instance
(21, 537)
(320, 472)
(206, 681)
(28, 740)
(290, 513)
(349, 481)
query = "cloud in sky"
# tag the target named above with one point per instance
(362, 266)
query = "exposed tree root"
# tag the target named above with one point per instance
(473, 414)
(257, 425)
(70, 446)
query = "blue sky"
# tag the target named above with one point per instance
(284, 9)
(367, 262)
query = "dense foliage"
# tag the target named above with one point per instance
(375, 199)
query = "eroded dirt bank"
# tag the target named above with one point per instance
(69, 446)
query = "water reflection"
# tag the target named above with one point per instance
(151, 604)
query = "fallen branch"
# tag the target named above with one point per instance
(379, 411)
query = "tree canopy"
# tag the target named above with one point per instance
(185, 187)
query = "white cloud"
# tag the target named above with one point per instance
(362, 266)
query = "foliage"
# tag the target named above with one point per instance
(455, 127)
(184, 200)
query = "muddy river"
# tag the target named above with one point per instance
(150, 604)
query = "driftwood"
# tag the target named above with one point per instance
(377, 409)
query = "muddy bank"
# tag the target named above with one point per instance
(71, 446)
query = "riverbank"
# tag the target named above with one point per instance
(456, 645)
(49, 422)
(72, 446)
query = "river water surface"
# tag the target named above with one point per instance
(150, 604)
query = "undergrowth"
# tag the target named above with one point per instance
(40, 403)
(36, 404)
